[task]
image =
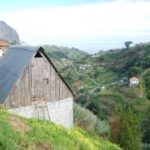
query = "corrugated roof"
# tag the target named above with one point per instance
(12, 66)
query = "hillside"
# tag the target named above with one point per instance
(96, 83)
(30, 134)
(63, 56)
(129, 62)
(59, 52)
(8, 33)
(95, 79)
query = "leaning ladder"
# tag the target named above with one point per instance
(44, 107)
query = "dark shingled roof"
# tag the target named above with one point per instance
(13, 64)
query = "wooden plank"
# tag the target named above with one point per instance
(29, 84)
(39, 82)
(26, 92)
(57, 88)
(52, 84)
(28, 100)
(19, 96)
(61, 90)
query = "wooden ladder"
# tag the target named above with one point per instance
(45, 111)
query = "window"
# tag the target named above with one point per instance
(37, 55)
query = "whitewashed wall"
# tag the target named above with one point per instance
(59, 112)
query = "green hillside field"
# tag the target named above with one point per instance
(18, 133)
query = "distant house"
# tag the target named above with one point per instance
(134, 81)
(31, 86)
(3, 48)
(84, 66)
(63, 59)
(124, 81)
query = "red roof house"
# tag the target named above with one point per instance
(3, 47)
(3, 44)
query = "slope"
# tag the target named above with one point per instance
(95, 79)
(31, 134)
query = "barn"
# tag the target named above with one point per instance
(31, 86)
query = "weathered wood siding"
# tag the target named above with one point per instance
(39, 82)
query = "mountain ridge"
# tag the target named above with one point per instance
(8, 33)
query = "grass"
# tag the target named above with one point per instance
(18, 133)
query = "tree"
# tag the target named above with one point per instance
(127, 44)
(127, 131)
(15, 42)
(130, 131)
(146, 126)
(147, 84)
(134, 71)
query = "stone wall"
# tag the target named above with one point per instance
(59, 112)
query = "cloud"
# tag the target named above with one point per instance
(82, 24)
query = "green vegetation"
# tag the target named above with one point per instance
(64, 52)
(30, 134)
(15, 42)
(125, 129)
(86, 120)
(63, 56)
(96, 82)
(147, 84)
(146, 126)
(97, 86)
(100, 83)
(132, 62)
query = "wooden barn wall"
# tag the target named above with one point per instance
(39, 82)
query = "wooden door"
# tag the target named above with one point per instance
(40, 79)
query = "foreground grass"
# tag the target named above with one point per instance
(29, 134)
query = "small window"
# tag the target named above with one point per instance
(38, 55)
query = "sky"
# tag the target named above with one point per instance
(90, 25)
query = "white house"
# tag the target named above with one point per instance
(84, 66)
(134, 81)
(1, 53)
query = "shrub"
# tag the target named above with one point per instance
(146, 126)
(147, 84)
(84, 118)
(115, 129)
(88, 121)
(102, 127)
